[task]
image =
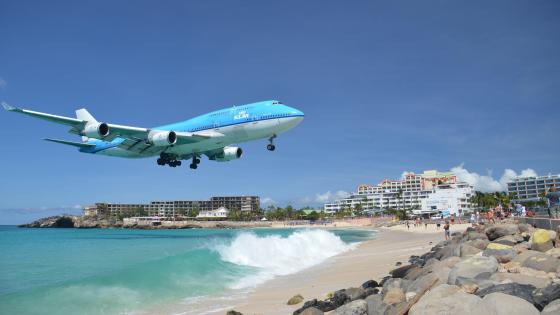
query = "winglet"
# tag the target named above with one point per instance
(8, 107)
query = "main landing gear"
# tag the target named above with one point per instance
(168, 159)
(195, 162)
(271, 146)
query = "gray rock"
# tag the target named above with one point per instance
(401, 271)
(311, 311)
(395, 283)
(472, 267)
(468, 250)
(370, 284)
(476, 236)
(355, 293)
(510, 240)
(421, 285)
(496, 231)
(232, 312)
(524, 291)
(537, 260)
(555, 252)
(504, 304)
(502, 255)
(393, 296)
(358, 307)
(543, 297)
(375, 305)
(451, 261)
(479, 243)
(553, 308)
(537, 282)
(445, 299)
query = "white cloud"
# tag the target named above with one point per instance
(487, 183)
(329, 196)
(3, 83)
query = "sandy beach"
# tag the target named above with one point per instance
(370, 260)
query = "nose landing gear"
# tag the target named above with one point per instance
(271, 146)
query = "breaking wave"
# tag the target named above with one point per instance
(275, 255)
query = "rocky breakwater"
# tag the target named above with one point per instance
(505, 268)
(66, 221)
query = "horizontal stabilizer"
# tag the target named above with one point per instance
(8, 107)
(72, 143)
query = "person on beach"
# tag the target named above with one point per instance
(438, 225)
(407, 225)
(446, 230)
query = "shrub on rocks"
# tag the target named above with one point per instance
(472, 267)
(504, 304)
(541, 240)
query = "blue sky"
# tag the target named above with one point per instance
(386, 86)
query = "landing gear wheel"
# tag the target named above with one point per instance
(196, 161)
(160, 161)
(271, 147)
(193, 166)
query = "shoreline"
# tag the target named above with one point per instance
(372, 259)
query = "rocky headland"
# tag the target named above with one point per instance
(505, 268)
(89, 222)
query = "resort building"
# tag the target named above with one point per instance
(169, 209)
(221, 213)
(531, 188)
(406, 193)
(447, 199)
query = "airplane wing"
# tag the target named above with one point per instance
(135, 138)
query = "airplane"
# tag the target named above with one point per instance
(211, 134)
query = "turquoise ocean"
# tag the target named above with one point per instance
(118, 271)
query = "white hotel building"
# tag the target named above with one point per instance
(439, 189)
(531, 188)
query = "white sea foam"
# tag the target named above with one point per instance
(275, 255)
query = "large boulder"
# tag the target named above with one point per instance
(543, 297)
(402, 271)
(504, 304)
(553, 308)
(312, 311)
(479, 243)
(537, 260)
(445, 299)
(421, 285)
(554, 252)
(395, 283)
(537, 282)
(541, 240)
(496, 231)
(476, 236)
(358, 307)
(394, 296)
(370, 284)
(472, 267)
(524, 291)
(451, 261)
(510, 240)
(468, 250)
(502, 253)
(355, 293)
(375, 305)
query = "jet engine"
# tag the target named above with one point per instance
(96, 130)
(162, 138)
(228, 154)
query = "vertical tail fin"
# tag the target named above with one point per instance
(83, 114)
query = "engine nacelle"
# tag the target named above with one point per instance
(96, 130)
(228, 154)
(162, 138)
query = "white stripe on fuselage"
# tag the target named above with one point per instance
(252, 130)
